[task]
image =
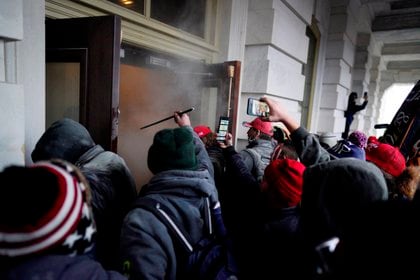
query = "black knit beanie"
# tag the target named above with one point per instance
(172, 149)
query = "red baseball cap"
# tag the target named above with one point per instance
(264, 127)
(202, 130)
(386, 157)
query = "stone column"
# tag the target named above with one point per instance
(372, 110)
(361, 78)
(340, 56)
(275, 51)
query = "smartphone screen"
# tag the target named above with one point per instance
(222, 129)
(257, 108)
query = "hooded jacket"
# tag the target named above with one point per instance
(111, 182)
(308, 147)
(336, 194)
(147, 249)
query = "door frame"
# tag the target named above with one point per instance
(99, 38)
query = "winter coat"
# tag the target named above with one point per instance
(353, 108)
(111, 182)
(336, 196)
(336, 193)
(147, 249)
(59, 267)
(281, 247)
(218, 161)
(242, 212)
(257, 156)
(308, 147)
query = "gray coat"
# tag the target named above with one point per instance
(257, 156)
(112, 185)
(308, 147)
(147, 249)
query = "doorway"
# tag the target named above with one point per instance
(310, 74)
(114, 89)
(82, 79)
(154, 86)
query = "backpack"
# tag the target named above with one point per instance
(260, 163)
(211, 257)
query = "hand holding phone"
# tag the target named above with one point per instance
(365, 95)
(257, 108)
(222, 128)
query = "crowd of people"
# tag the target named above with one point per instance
(292, 206)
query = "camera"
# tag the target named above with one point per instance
(257, 108)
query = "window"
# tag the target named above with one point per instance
(187, 15)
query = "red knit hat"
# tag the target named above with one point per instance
(264, 127)
(202, 130)
(282, 183)
(386, 157)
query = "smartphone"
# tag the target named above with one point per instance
(257, 108)
(365, 94)
(222, 129)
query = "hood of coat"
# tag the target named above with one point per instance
(65, 139)
(337, 193)
(182, 183)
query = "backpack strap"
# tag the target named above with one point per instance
(166, 216)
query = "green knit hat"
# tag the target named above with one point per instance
(172, 149)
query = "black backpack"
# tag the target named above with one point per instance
(211, 257)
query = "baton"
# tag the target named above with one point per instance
(168, 118)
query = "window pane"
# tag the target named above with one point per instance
(187, 15)
(134, 5)
(63, 91)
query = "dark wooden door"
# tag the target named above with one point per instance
(91, 47)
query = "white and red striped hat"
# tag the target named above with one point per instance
(57, 219)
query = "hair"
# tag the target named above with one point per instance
(279, 134)
(264, 136)
(353, 95)
(210, 140)
(288, 150)
(406, 184)
(414, 158)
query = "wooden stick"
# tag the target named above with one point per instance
(231, 70)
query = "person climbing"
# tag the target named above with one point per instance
(352, 108)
